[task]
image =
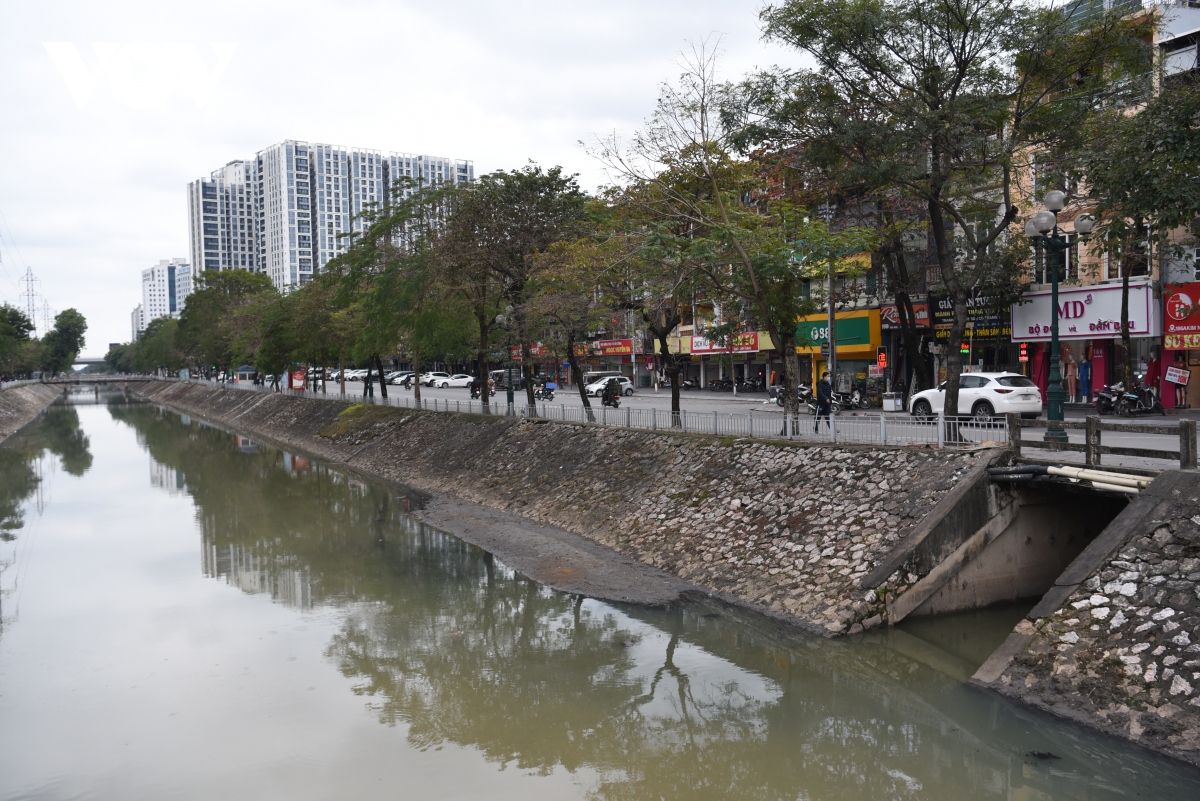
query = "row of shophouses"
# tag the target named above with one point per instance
(1163, 316)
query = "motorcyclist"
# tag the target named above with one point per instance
(474, 388)
(612, 390)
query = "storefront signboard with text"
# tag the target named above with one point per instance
(889, 315)
(738, 343)
(1181, 316)
(1092, 312)
(615, 347)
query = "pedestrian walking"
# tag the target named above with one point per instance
(824, 401)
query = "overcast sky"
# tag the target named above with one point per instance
(100, 140)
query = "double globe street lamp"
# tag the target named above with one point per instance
(1042, 230)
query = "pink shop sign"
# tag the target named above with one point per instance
(1092, 312)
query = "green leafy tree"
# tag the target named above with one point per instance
(945, 102)
(62, 344)
(15, 331)
(209, 327)
(158, 347)
(1141, 169)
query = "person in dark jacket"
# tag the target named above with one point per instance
(824, 401)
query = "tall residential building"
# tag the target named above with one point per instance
(137, 323)
(159, 290)
(281, 212)
(183, 285)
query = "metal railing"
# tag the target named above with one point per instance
(856, 429)
(1093, 448)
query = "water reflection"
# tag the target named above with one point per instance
(28, 461)
(696, 702)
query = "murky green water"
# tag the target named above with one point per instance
(187, 615)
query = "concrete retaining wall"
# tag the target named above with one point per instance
(19, 405)
(790, 529)
(1116, 643)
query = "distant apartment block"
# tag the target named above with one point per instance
(137, 323)
(160, 290)
(281, 213)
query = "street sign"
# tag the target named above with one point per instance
(824, 348)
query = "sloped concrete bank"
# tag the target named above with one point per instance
(19, 405)
(789, 529)
(1116, 643)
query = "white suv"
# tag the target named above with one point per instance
(983, 396)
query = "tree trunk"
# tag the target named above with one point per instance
(382, 379)
(484, 372)
(342, 373)
(958, 297)
(416, 368)
(527, 375)
(577, 377)
(1126, 344)
(367, 380)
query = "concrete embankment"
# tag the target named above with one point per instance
(19, 405)
(793, 530)
(1115, 643)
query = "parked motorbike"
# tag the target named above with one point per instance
(751, 385)
(721, 385)
(1139, 400)
(690, 383)
(1106, 399)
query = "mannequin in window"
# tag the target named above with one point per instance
(1072, 378)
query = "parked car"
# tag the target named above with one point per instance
(400, 376)
(983, 396)
(456, 380)
(355, 375)
(596, 388)
(599, 375)
(428, 379)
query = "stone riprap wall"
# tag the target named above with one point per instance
(19, 405)
(1121, 649)
(790, 529)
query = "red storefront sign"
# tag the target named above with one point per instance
(889, 316)
(738, 343)
(614, 347)
(1181, 316)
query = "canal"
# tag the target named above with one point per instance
(188, 614)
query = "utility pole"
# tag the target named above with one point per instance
(47, 316)
(30, 296)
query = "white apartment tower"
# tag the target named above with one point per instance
(159, 290)
(137, 323)
(281, 213)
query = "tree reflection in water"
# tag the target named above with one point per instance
(697, 702)
(24, 468)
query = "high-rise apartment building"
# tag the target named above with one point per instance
(160, 290)
(183, 285)
(137, 323)
(281, 213)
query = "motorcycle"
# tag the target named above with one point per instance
(543, 393)
(1139, 400)
(1106, 399)
(721, 385)
(751, 385)
(690, 383)
(613, 400)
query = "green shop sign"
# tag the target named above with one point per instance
(850, 331)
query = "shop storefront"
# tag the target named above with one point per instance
(899, 361)
(746, 356)
(1181, 345)
(859, 336)
(1089, 333)
(988, 340)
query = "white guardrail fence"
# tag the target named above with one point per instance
(858, 428)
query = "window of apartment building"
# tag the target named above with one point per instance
(1067, 262)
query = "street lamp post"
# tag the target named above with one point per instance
(826, 212)
(1042, 230)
